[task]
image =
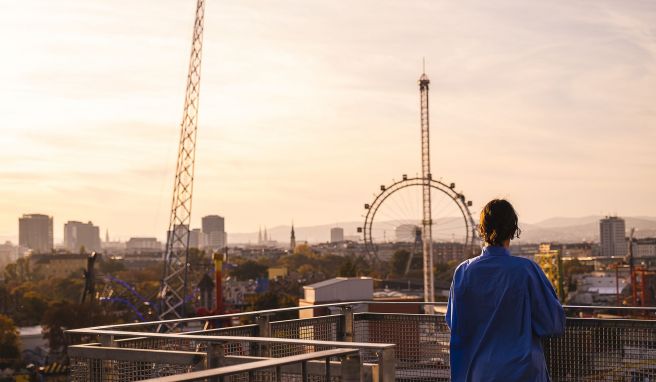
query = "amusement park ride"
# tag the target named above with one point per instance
(443, 214)
(397, 208)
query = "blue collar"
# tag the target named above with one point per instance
(495, 251)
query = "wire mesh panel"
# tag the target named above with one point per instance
(422, 343)
(269, 375)
(178, 343)
(603, 350)
(324, 328)
(96, 370)
(231, 348)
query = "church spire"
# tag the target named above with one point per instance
(292, 241)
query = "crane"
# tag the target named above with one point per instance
(175, 282)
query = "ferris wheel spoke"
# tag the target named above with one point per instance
(403, 206)
(443, 204)
(449, 225)
(446, 207)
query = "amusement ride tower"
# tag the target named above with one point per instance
(426, 232)
(175, 278)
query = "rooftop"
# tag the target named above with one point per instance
(349, 343)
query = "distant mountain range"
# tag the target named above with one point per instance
(558, 229)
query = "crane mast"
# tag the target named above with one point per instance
(175, 276)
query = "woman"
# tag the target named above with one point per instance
(499, 308)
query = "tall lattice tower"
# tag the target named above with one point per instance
(174, 282)
(426, 233)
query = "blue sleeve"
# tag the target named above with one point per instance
(449, 308)
(451, 311)
(547, 314)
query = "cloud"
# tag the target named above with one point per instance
(306, 107)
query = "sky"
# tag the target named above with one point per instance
(307, 107)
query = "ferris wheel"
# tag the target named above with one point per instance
(393, 221)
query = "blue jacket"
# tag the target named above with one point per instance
(499, 307)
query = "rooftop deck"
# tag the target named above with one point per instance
(348, 343)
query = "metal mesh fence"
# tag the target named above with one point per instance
(231, 348)
(422, 343)
(95, 370)
(592, 349)
(324, 328)
(603, 350)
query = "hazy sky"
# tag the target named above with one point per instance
(308, 106)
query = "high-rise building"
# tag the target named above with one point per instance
(336, 235)
(214, 231)
(78, 235)
(197, 239)
(182, 232)
(612, 235)
(407, 233)
(35, 232)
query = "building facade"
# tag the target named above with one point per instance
(644, 248)
(213, 228)
(336, 235)
(58, 265)
(143, 245)
(35, 232)
(612, 236)
(78, 235)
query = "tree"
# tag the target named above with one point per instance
(64, 315)
(31, 308)
(303, 249)
(399, 261)
(276, 300)
(249, 270)
(347, 269)
(110, 266)
(9, 343)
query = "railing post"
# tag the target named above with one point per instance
(215, 357)
(101, 370)
(263, 330)
(387, 365)
(352, 368)
(347, 324)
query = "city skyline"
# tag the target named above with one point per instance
(289, 129)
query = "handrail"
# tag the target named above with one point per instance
(268, 312)
(176, 336)
(254, 366)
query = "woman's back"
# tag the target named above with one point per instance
(499, 308)
(491, 314)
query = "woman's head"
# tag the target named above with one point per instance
(498, 222)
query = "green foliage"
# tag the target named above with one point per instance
(249, 270)
(276, 300)
(399, 261)
(19, 271)
(30, 309)
(110, 266)
(444, 272)
(9, 343)
(63, 315)
(347, 269)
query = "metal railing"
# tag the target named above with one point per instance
(391, 346)
(350, 368)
